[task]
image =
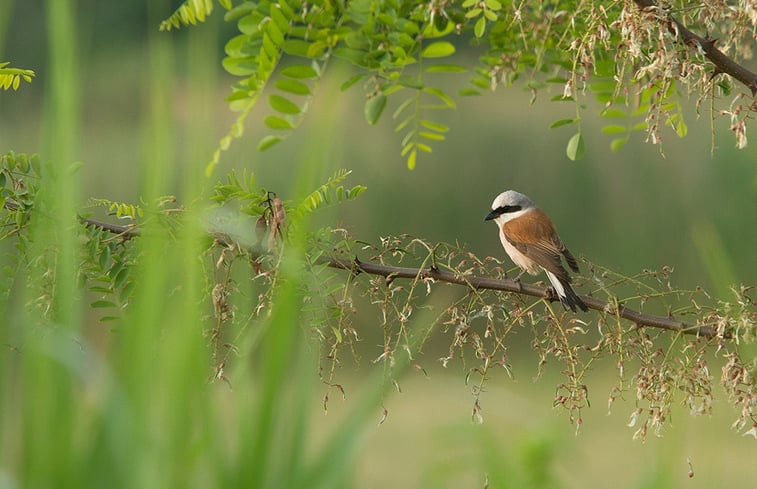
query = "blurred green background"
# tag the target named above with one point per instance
(630, 210)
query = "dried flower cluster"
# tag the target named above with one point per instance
(639, 56)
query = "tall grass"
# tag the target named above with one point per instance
(134, 404)
(46, 387)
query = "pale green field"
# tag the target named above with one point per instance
(429, 440)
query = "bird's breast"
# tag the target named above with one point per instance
(517, 257)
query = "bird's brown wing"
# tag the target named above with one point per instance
(569, 258)
(533, 234)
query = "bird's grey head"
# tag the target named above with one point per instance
(508, 203)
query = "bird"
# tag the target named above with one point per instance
(532, 243)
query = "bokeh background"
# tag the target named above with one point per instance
(686, 205)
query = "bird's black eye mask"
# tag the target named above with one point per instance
(504, 209)
(507, 208)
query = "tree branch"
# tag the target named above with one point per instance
(515, 287)
(507, 285)
(723, 64)
(126, 232)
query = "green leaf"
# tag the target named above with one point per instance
(239, 11)
(434, 126)
(355, 191)
(316, 49)
(275, 33)
(102, 290)
(614, 129)
(102, 303)
(641, 126)
(562, 122)
(270, 51)
(268, 142)
(404, 123)
(605, 68)
(406, 141)
(440, 22)
(283, 105)
(604, 97)
(618, 143)
(292, 86)
(480, 27)
(575, 149)
(603, 86)
(641, 110)
(442, 96)
(121, 277)
(354, 56)
(351, 81)
(445, 68)
(285, 9)
(404, 105)
(434, 136)
(647, 93)
(104, 257)
(432, 32)
(279, 19)
(411, 160)
(296, 47)
(276, 122)
(611, 113)
(299, 71)
(438, 49)
(240, 66)
(126, 291)
(358, 40)
(468, 92)
(20, 219)
(490, 15)
(374, 106)
(681, 129)
(239, 46)
(725, 86)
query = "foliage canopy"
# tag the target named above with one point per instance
(638, 59)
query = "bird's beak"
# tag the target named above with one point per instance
(490, 216)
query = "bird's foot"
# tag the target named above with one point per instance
(517, 281)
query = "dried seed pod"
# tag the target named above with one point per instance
(278, 221)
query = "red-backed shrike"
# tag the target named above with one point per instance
(531, 241)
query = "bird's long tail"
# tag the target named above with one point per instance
(566, 294)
